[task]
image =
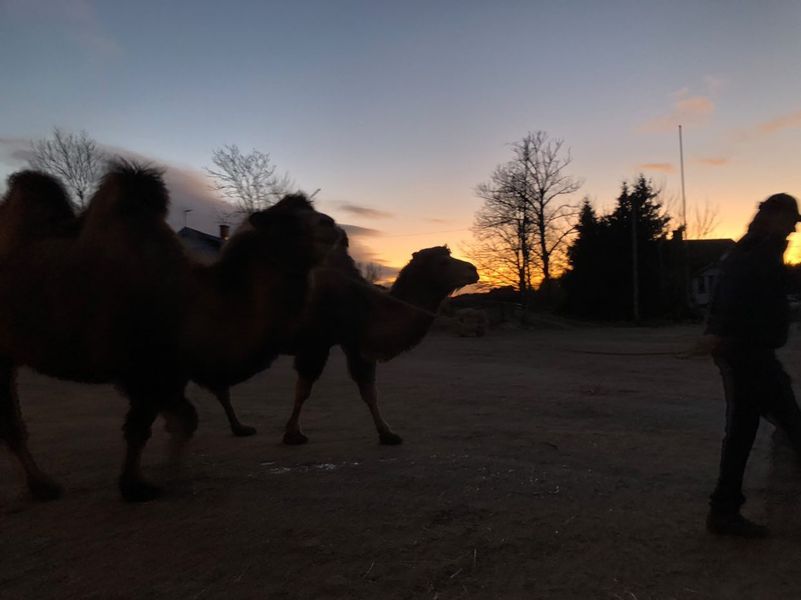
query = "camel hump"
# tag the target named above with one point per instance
(286, 211)
(293, 202)
(35, 204)
(37, 191)
(130, 189)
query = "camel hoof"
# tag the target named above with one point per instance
(243, 431)
(45, 490)
(139, 491)
(295, 438)
(390, 439)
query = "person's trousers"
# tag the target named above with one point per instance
(755, 385)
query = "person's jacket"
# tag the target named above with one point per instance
(749, 307)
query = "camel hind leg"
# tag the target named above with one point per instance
(145, 405)
(362, 371)
(309, 366)
(223, 396)
(293, 436)
(137, 430)
(15, 435)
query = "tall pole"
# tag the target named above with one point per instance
(683, 197)
(685, 235)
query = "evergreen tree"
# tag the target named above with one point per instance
(600, 281)
(582, 281)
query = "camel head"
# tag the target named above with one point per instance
(435, 269)
(293, 234)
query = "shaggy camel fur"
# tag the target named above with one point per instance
(113, 298)
(367, 323)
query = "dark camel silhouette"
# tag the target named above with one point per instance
(367, 322)
(112, 297)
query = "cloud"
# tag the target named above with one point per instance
(767, 128)
(356, 231)
(78, 19)
(190, 191)
(189, 188)
(714, 84)
(713, 161)
(789, 121)
(686, 110)
(363, 211)
(661, 167)
(437, 221)
(15, 152)
(359, 249)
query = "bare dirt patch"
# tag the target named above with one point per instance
(530, 469)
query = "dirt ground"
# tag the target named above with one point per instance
(536, 464)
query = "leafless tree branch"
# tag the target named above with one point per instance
(249, 181)
(527, 217)
(73, 158)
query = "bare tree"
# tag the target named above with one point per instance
(504, 231)
(701, 222)
(705, 219)
(527, 216)
(371, 271)
(75, 159)
(249, 180)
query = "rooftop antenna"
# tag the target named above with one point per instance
(186, 212)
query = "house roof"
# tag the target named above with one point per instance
(200, 241)
(704, 253)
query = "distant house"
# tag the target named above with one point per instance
(697, 263)
(703, 283)
(203, 246)
(690, 270)
(703, 259)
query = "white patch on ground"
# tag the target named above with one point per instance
(280, 470)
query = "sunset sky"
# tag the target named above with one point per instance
(396, 110)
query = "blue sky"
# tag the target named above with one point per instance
(404, 107)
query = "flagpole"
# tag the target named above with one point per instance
(683, 197)
(685, 234)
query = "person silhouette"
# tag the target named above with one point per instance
(748, 320)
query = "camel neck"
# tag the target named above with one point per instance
(428, 299)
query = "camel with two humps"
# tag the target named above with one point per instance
(368, 323)
(111, 297)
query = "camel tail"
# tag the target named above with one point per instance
(132, 189)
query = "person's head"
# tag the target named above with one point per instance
(777, 215)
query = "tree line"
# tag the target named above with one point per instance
(531, 234)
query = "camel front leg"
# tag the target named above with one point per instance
(292, 433)
(14, 434)
(362, 371)
(369, 394)
(224, 398)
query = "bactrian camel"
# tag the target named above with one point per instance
(368, 323)
(112, 297)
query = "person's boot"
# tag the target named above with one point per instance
(733, 523)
